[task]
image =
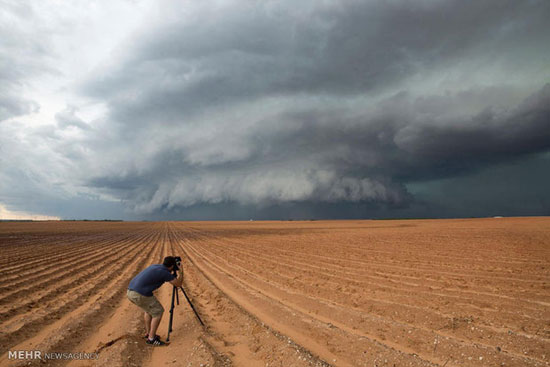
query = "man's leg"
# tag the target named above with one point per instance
(155, 321)
(147, 319)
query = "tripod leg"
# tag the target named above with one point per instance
(192, 307)
(174, 294)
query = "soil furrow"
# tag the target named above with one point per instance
(71, 300)
(84, 320)
(354, 316)
(329, 315)
(62, 271)
(351, 288)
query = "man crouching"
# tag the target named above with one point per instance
(140, 293)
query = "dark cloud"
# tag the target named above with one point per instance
(206, 56)
(263, 103)
(516, 188)
(443, 147)
(333, 155)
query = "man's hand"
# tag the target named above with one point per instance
(178, 282)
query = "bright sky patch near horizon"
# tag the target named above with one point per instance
(274, 109)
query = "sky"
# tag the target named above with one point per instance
(222, 110)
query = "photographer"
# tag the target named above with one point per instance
(140, 293)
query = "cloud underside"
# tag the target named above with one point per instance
(267, 103)
(315, 153)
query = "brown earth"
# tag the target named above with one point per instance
(471, 292)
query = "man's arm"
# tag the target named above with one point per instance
(178, 282)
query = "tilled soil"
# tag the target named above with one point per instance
(470, 292)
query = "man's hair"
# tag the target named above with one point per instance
(169, 261)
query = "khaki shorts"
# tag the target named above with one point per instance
(151, 305)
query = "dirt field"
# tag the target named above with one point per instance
(472, 292)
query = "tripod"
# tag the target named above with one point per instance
(175, 296)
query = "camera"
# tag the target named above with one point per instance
(178, 263)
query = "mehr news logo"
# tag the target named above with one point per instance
(38, 354)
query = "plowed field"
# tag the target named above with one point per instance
(472, 292)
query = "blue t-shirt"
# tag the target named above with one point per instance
(150, 279)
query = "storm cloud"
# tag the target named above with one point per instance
(323, 106)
